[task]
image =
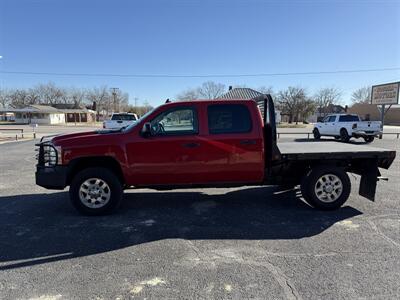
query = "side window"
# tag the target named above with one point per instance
(177, 121)
(228, 118)
(332, 119)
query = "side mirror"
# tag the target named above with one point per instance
(146, 130)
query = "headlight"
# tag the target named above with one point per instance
(50, 155)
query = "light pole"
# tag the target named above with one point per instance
(114, 93)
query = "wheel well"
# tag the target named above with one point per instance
(343, 129)
(78, 164)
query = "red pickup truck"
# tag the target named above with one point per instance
(203, 144)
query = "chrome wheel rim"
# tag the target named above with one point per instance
(328, 188)
(94, 193)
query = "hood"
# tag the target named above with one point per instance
(73, 137)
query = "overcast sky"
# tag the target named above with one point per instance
(198, 37)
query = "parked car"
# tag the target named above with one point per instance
(120, 120)
(346, 126)
(209, 144)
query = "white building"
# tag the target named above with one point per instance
(39, 114)
(48, 115)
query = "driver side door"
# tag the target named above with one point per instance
(170, 155)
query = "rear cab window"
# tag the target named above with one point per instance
(228, 119)
(349, 118)
(123, 117)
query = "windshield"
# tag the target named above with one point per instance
(127, 128)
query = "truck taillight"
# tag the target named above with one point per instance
(354, 126)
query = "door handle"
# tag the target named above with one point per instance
(247, 142)
(191, 145)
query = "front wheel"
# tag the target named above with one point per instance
(95, 191)
(326, 188)
(316, 134)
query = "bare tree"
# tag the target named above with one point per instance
(49, 93)
(76, 96)
(211, 90)
(4, 98)
(101, 97)
(326, 97)
(188, 95)
(361, 95)
(18, 98)
(306, 108)
(147, 107)
(65, 96)
(294, 102)
(120, 100)
(33, 96)
(265, 90)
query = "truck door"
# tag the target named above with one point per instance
(171, 155)
(330, 125)
(332, 122)
(232, 144)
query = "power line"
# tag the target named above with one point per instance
(201, 75)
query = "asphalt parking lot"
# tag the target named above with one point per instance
(242, 243)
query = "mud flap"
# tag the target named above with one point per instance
(369, 178)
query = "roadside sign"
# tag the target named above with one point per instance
(385, 93)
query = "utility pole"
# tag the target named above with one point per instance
(114, 93)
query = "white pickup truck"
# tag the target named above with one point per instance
(119, 120)
(346, 126)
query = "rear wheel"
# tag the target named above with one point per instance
(316, 134)
(344, 135)
(95, 191)
(369, 139)
(326, 188)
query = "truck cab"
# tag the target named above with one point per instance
(203, 143)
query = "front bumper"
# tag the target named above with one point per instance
(51, 177)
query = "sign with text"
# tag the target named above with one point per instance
(385, 93)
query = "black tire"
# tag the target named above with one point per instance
(316, 134)
(113, 186)
(369, 139)
(344, 135)
(309, 184)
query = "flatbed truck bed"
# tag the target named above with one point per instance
(317, 150)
